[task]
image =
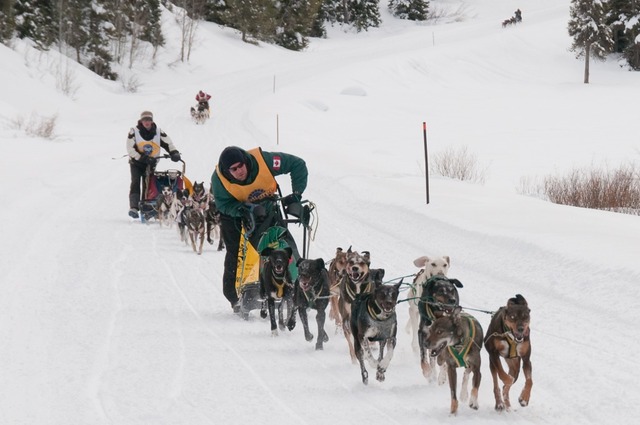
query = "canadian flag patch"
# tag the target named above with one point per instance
(276, 162)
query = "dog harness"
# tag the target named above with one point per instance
(279, 285)
(352, 294)
(311, 295)
(460, 354)
(508, 336)
(263, 186)
(374, 309)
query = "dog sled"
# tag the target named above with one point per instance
(267, 226)
(153, 184)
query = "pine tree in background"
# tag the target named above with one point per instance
(100, 34)
(35, 20)
(413, 10)
(74, 25)
(255, 19)
(216, 11)
(7, 21)
(151, 20)
(591, 37)
(295, 18)
(364, 14)
(336, 11)
(623, 17)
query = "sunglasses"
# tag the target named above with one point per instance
(146, 120)
(236, 168)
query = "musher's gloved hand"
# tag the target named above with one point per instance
(149, 160)
(290, 199)
(175, 156)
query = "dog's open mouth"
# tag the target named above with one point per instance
(436, 351)
(305, 283)
(356, 276)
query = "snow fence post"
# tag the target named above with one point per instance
(426, 159)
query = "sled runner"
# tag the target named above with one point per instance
(153, 184)
(266, 226)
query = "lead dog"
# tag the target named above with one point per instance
(508, 338)
(456, 341)
(373, 318)
(439, 298)
(311, 290)
(355, 280)
(166, 206)
(336, 267)
(276, 284)
(430, 266)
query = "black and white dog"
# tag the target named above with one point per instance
(276, 285)
(373, 318)
(311, 290)
(166, 206)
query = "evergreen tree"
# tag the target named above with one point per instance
(97, 48)
(215, 11)
(36, 20)
(255, 19)
(364, 14)
(7, 19)
(336, 11)
(295, 19)
(591, 37)
(150, 19)
(74, 25)
(623, 17)
(413, 10)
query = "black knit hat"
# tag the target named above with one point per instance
(231, 155)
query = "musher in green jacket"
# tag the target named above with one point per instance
(243, 177)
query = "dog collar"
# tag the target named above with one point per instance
(375, 311)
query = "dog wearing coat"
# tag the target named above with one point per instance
(276, 285)
(508, 338)
(311, 290)
(456, 341)
(373, 318)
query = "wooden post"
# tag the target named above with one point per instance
(426, 160)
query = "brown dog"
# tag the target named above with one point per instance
(439, 297)
(456, 341)
(356, 280)
(508, 338)
(336, 267)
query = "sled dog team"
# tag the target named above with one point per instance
(194, 212)
(363, 307)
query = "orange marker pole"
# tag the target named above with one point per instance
(426, 160)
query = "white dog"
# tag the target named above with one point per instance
(431, 266)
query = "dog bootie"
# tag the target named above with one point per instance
(133, 213)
